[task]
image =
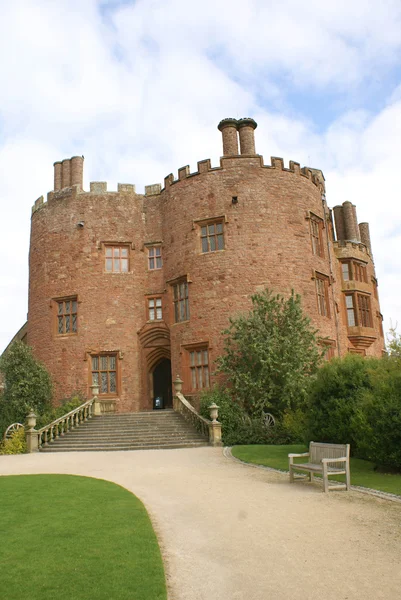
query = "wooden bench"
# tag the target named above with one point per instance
(327, 459)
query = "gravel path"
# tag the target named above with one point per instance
(232, 532)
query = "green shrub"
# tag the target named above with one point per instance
(270, 355)
(27, 385)
(377, 423)
(15, 444)
(236, 425)
(54, 413)
(335, 399)
(295, 424)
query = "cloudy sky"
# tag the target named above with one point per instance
(138, 87)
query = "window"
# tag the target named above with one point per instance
(316, 231)
(181, 301)
(354, 270)
(212, 237)
(346, 271)
(365, 316)
(358, 309)
(360, 273)
(199, 368)
(116, 259)
(67, 316)
(155, 257)
(155, 312)
(322, 292)
(104, 373)
(349, 303)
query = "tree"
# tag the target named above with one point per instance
(270, 354)
(394, 342)
(27, 384)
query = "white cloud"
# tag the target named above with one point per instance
(139, 89)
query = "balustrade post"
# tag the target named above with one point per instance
(31, 435)
(177, 383)
(214, 426)
(96, 404)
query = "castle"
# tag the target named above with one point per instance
(126, 289)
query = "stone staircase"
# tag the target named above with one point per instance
(130, 431)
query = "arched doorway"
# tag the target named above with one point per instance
(162, 384)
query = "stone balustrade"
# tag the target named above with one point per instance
(210, 429)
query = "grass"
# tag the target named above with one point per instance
(362, 471)
(68, 537)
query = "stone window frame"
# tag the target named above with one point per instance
(316, 226)
(155, 307)
(67, 316)
(103, 246)
(196, 373)
(361, 309)
(356, 271)
(154, 248)
(322, 283)
(200, 224)
(117, 370)
(180, 299)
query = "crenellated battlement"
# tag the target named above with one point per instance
(204, 166)
(68, 173)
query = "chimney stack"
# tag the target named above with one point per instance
(246, 128)
(68, 172)
(228, 128)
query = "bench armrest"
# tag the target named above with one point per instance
(292, 456)
(330, 460)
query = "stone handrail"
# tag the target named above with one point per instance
(59, 427)
(210, 429)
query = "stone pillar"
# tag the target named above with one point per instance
(214, 426)
(57, 175)
(228, 128)
(339, 221)
(246, 128)
(66, 173)
(31, 435)
(77, 171)
(97, 410)
(349, 222)
(215, 434)
(365, 235)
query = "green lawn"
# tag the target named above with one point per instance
(76, 538)
(362, 471)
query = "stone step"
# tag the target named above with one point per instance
(125, 447)
(129, 431)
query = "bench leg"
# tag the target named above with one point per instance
(347, 476)
(310, 476)
(291, 474)
(325, 478)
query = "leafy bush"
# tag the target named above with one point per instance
(54, 413)
(15, 444)
(335, 399)
(295, 425)
(270, 355)
(27, 384)
(377, 424)
(236, 425)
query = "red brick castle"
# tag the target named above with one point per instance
(126, 289)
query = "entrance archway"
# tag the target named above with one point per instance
(162, 383)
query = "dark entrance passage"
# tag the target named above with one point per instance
(162, 387)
